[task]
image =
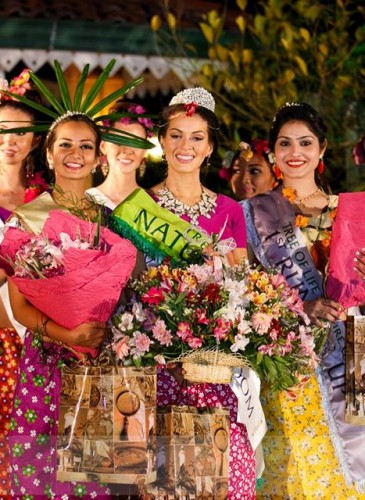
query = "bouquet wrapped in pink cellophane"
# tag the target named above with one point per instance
(348, 236)
(76, 280)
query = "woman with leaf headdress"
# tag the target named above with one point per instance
(72, 147)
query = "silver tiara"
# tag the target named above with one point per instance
(62, 117)
(198, 95)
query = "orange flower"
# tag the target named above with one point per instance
(301, 221)
(326, 240)
(333, 213)
(289, 193)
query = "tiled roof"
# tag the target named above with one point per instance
(130, 11)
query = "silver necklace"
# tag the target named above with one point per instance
(206, 205)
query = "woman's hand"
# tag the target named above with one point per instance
(322, 310)
(359, 263)
(90, 334)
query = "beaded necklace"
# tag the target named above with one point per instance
(206, 205)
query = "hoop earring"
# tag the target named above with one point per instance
(104, 165)
(277, 172)
(320, 168)
(29, 167)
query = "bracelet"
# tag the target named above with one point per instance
(44, 326)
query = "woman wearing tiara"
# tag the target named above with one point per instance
(188, 133)
(310, 452)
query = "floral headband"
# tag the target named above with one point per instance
(245, 151)
(135, 110)
(260, 147)
(18, 86)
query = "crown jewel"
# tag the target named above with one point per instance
(196, 95)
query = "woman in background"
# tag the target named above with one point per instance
(250, 171)
(121, 163)
(18, 184)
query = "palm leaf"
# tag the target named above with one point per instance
(65, 95)
(47, 94)
(34, 128)
(116, 116)
(125, 139)
(113, 97)
(32, 104)
(95, 89)
(80, 87)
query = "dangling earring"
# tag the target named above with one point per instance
(50, 165)
(93, 170)
(320, 168)
(163, 157)
(207, 163)
(104, 165)
(277, 172)
(29, 167)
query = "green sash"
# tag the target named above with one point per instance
(156, 231)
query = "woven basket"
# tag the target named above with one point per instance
(210, 366)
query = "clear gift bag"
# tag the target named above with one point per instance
(107, 423)
(192, 453)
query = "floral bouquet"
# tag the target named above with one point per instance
(73, 272)
(195, 315)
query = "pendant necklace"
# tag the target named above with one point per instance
(306, 198)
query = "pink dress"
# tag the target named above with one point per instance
(242, 464)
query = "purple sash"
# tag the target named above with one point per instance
(283, 246)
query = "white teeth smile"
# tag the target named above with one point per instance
(73, 165)
(185, 157)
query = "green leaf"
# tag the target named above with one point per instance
(95, 89)
(32, 104)
(113, 97)
(62, 84)
(47, 94)
(80, 87)
(34, 128)
(125, 139)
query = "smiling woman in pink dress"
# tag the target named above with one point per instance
(188, 133)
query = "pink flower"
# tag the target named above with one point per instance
(121, 348)
(201, 316)
(161, 333)
(268, 349)
(261, 322)
(142, 343)
(154, 296)
(278, 280)
(222, 329)
(194, 342)
(183, 330)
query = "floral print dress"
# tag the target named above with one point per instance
(300, 458)
(33, 429)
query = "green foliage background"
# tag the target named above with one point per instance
(280, 51)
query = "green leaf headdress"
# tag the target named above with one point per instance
(65, 106)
